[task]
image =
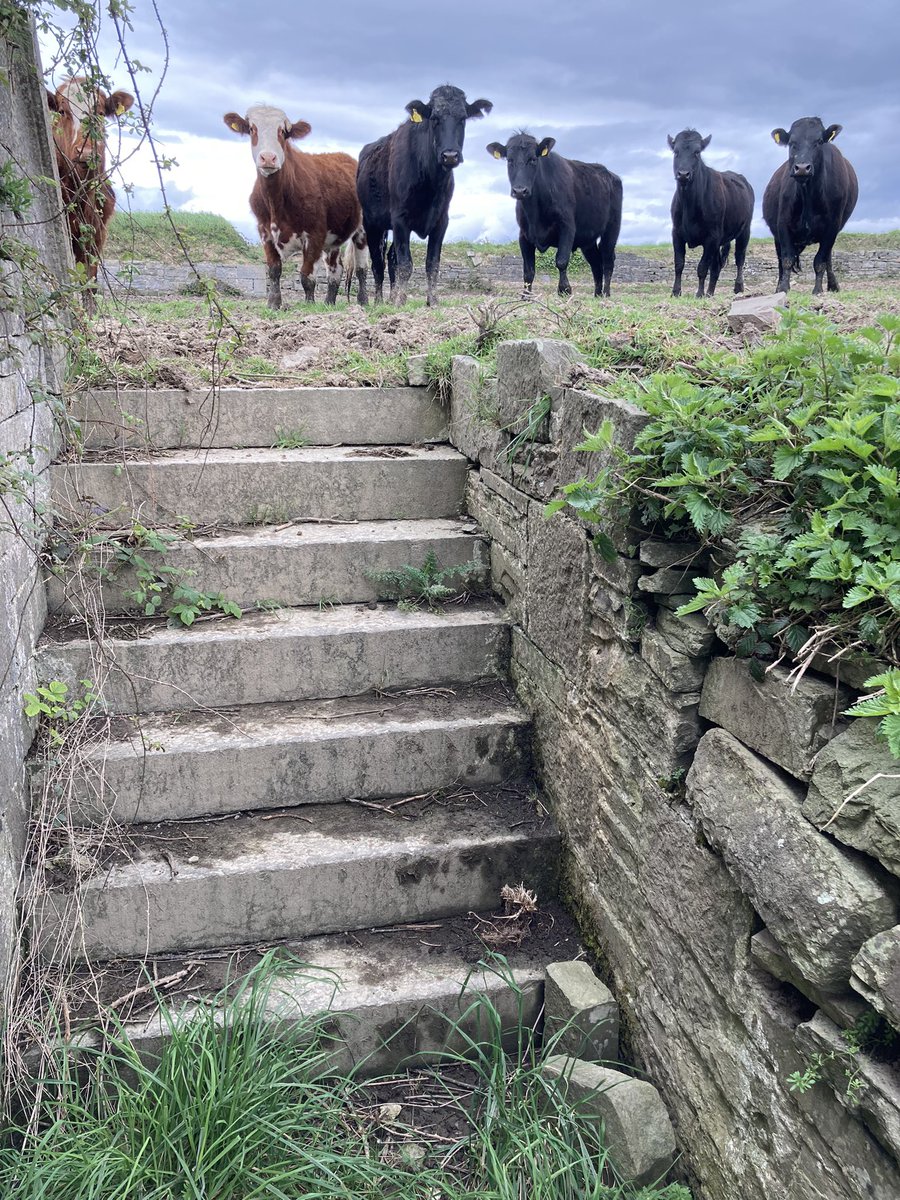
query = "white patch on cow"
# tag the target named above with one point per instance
(331, 240)
(79, 98)
(294, 245)
(268, 153)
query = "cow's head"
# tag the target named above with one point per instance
(687, 147)
(804, 144)
(446, 114)
(80, 109)
(269, 130)
(523, 154)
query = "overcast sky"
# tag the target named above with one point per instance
(609, 79)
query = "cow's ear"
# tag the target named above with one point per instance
(831, 132)
(781, 136)
(299, 129)
(236, 123)
(671, 142)
(52, 101)
(497, 149)
(478, 108)
(118, 103)
(705, 141)
(546, 146)
(418, 111)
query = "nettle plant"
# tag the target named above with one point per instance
(786, 463)
(54, 704)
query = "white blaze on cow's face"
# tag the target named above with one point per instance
(269, 131)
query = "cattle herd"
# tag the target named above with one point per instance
(329, 207)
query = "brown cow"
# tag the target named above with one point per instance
(303, 203)
(80, 109)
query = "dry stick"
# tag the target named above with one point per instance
(153, 985)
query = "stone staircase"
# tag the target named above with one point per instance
(330, 775)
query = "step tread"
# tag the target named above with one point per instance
(230, 456)
(311, 720)
(286, 623)
(326, 533)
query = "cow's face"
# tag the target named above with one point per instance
(804, 143)
(523, 155)
(446, 114)
(80, 109)
(269, 130)
(687, 147)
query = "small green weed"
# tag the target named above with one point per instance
(529, 429)
(429, 585)
(290, 439)
(53, 704)
(884, 703)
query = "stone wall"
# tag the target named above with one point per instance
(481, 273)
(738, 938)
(29, 380)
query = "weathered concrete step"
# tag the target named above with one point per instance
(258, 417)
(314, 752)
(254, 487)
(291, 654)
(392, 999)
(327, 868)
(303, 564)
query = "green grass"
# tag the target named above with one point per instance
(148, 237)
(233, 1112)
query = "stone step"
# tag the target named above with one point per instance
(167, 419)
(316, 752)
(392, 992)
(253, 879)
(254, 487)
(301, 564)
(290, 654)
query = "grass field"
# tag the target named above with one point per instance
(149, 237)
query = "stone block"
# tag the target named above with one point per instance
(621, 574)
(614, 615)
(509, 578)
(637, 1129)
(844, 1008)
(581, 1017)
(669, 554)
(474, 417)
(415, 370)
(786, 723)
(539, 682)
(503, 521)
(527, 370)
(874, 1097)
(876, 974)
(757, 312)
(556, 597)
(819, 901)
(858, 764)
(852, 669)
(690, 634)
(669, 581)
(677, 671)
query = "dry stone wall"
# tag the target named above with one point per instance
(30, 378)
(740, 924)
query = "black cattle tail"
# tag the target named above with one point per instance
(563, 203)
(809, 199)
(405, 182)
(710, 209)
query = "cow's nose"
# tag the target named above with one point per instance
(683, 176)
(802, 168)
(450, 158)
(267, 159)
(520, 193)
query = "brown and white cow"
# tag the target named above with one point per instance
(80, 109)
(303, 203)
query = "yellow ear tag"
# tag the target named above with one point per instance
(833, 136)
(777, 137)
(235, 127)
(544, 152)
(415, 116)
(497, 154)
(120, 108)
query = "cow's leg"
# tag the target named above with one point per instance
(563, 255)
(678, 245)
(312, 252)
(527, 251)
(433, 259)
(709, 261)
(608, 257)
(740, 253)
(333, 274)
(400, 248)
(785, 253)
(719, 260)
(273, 275)
(360, 255)
(595, 261)
(821, 265)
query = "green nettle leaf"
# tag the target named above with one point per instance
(785, 461)
(889, 728)
(605, 547)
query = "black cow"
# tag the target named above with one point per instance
(405, 181)
(809, 199)
(564, 203)
(710, 209)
